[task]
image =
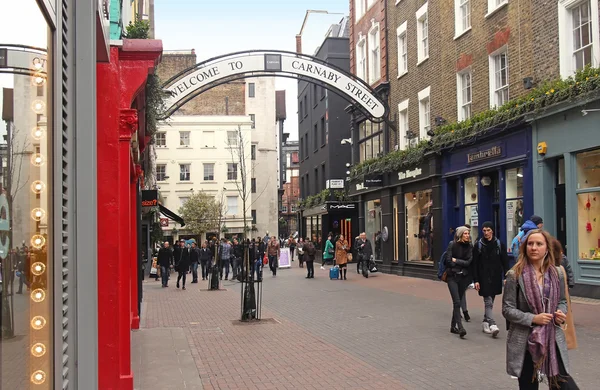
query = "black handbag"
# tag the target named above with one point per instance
(331, 251)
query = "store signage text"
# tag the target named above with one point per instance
(361, 186)
(486, 154)
(335, 183)
(342, 206)
(408, 174)
(373, 181)
(256, 62)
(149, 198)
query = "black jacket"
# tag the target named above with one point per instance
(364, 252)
(463, 253)
(262, 247)
(165, 257)
(490, 266)
(205, 255)
(182, 258)
(238, 251)
(194, 255)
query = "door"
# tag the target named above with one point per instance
(561, 215)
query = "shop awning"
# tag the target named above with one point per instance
(171, 215)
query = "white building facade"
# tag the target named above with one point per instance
(192, 154)
(260, 108)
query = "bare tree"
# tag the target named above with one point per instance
(17, 151)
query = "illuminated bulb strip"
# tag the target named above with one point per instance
(38, 187)
(38, 80)
(38, 107)
(38, 160)
(38, 214)
(38, 322)
(37, 133)
(38, 268)
(38, 377)
(38, 350)
(38, 295)
(38, 241)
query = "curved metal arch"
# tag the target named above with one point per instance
(256, 75)
(244, 64)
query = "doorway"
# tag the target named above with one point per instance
(561, 201)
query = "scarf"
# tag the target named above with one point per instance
(542, 339)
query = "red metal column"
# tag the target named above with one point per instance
(135, 315)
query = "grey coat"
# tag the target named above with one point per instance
(517, 311)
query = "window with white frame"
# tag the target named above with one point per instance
(403, 140)
(209, 171)
(160, 139)
(464, 90)
(422, 34)
(374, 53)
(184, 172)
(462, 15)
(361, 58)
(499, 85)
(232, 138)
(424, 113)
(232, 205)
(493, 5)
(184, 138)
(161, 172)
(402, 49)
(231, 171)
(208, 139)
(578, 35)
(359, 9)
(253, 119)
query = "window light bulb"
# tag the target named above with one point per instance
(38, 268)
(38, 377)
(38, 241)
(38, 187)
(37, 133)
(38, 322)
(38, 350)
(38, 160)
(38, 106)
(38, 295)
(38, 80)
(38, 214)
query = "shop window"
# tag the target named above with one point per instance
(588, 210)
(588, 169)
(514, 203)
(373, 226)
(396, 229)
(471, 211)
(419, 226)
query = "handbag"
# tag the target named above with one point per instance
(153, 270)
(349, 256)
(331, 251)
(444, 277)
(570, 334)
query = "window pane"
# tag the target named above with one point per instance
(514, 183)
(588, 210)
(232, 205)
(373, 225)
(472, 218)
(588, 169)
(514, 220)
(471, 190)
(419, 221)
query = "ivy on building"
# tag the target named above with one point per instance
(584, 84)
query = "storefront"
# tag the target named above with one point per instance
(401, 212)
(331, 217)
(567, 187)
(491, 181)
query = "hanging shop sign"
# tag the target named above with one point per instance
(341, 206)
(164, 222)
(373, 181)
(209, 73)
(149, 198)
(486, 154)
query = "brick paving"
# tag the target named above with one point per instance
(383, 332)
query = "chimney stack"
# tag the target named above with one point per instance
(299, 44)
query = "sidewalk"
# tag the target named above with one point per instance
(383, 332)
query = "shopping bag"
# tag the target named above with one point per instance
(153, 271)
(265, 260)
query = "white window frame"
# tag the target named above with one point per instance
(184, 138)
(204, 175)
(182, 171)
(403, 124)
(208, 136)
(424, 113)
(494, 101)
(462, 17)
(460, 98)
(494, 6)
(565, 35)
(374, 52)
(164, 173)
(361, 57)
(422, 17)
(233, 165)
(232, 136)
(232, 210)
(402, 41)
(359, 10)
(161, 139)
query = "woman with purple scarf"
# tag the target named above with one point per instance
(534, 303)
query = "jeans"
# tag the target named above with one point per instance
(457, 285)
(237, 266)
(463, 303)
(204, 270)
(273, 264)
(194, 272)
(527, 372)
(22, 281)
(224, 264)
(489, 310)
(310, 267)
(181, 274)
(258, 269)
(164, 274)
(292, 252)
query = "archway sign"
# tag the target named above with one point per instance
(219, 70)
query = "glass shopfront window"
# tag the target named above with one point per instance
(373, 225)
(588, 204)
(419, 226)
(26, 162)
(514, 203)
(471, 211)
(313, 230)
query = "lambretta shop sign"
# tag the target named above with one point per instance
(262, 62)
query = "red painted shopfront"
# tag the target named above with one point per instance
(121, 138)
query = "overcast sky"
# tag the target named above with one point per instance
(220, 27)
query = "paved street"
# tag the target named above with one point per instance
(383, 332)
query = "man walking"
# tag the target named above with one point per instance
(205, 256)
(182, 263)
(194, 259)
(365, 251)
(273, 251)
(165, 259)
(491, 264)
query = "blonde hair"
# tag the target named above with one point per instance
(549, 259)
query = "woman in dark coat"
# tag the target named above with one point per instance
(458, 258)
(183, 263)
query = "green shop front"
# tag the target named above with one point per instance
(567, 186)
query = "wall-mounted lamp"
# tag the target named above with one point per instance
(528, 82)
(585, 112)
(486, 181)
(346, 141)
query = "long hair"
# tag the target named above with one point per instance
(549, 259)
(557, 249)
